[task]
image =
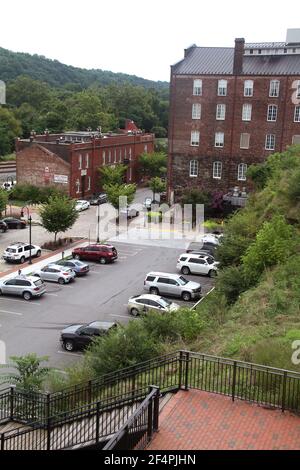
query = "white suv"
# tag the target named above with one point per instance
(21, 252)
(190, 263)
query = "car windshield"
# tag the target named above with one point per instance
(164, 302)
(182, 281)
(11, 250)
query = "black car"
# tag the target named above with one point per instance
(98, 200)
(80, 269)
(209, 248)
(81, 336)
(12, 223)
(3, 226)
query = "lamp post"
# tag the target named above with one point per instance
(98, 222)
(30, 221)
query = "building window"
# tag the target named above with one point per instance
(242, 172)
(222, 88)
(77, 184)
(195, 138)
(270, 142)
(80, 162)
(247, 112)
(197, 88)
(297, 114)
(248, 88)
(103, 158)
(245, 141)
(219, 139)
(296, 140)
(221, 112)
(115, 156)
(120, 156)
(130, 174)
(272, 113)
(87, 160)
(196, 112)
(89, 183)
(125, 153)
(217, 170)
(130, 153)
(109, 156)
(194, 167)
(274, 88)
(298, 89)
(146, 149)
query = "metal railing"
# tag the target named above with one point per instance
(138, 431)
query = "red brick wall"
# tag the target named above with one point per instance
(181, 124)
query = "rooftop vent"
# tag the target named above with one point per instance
(293, 36)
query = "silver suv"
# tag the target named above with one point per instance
(20, 251)
(56, 273)
(172, 285)
(24, 286)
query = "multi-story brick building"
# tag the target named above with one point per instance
(72, 160)
(230, 108)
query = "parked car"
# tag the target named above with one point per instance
(210, 248)
(3, 226)
(129, 212)
(140, 304)
(21, 252)
(8, 185)
(172, 285)
(98, 200)
(81, 336)
(197, 264)
(203, 253)
(102, 253)
(13, 223)
(80, 268)
(82, 205)
(56, 273)
(24, 286)
(149, 203)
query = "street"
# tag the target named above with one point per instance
(103, 295)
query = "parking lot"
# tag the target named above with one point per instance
(102, 295)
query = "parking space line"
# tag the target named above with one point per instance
(68, 354)
(52, 295)
(120, 316)
(24, 302)
(11, 313)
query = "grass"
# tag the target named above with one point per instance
(8, 158)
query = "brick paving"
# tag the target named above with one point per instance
(197, 420)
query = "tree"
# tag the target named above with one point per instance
(10, 128)
(115, 191)
(29, 375)
(157, 186)
(3, 200)
(112, 175)
(153, 164)
(193, 198)
(58, 214)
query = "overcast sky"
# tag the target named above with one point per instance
(137, 37)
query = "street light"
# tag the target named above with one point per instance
(30, 221)
(98, 222)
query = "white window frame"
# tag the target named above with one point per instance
(104, 157)
(219, 139)
(146, 148)
(80, 162)
(243, 134)
(196, 111)
(248, 88)
(272, 116)
(115, 155)
(77, 184)
(221, 112)
(222, 87)
(194, 168)
(217, 170)
(247, 112)
(296, 137)
(195, 138)
(109, 156)
(197, 87)
(120, 156)
(297, 113)
(298, 90)
(130, 154)
(87, 161)
(242, 170)
(270, 142)
(130, 174)
(89, 183)
(274, 89)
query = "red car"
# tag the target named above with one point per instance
(102, 253)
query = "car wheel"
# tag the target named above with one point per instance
(3, 230)
(186, 296)
(38, 254)
(134, 312)
(102, 261)
(154, 291)
(27, 296)
(185, 270)
(137, 213)
(61, 281)
(69, 345)
(212, 273)
(77, 257)
(22, 259)
(0, 292)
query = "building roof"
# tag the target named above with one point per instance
(219, 61)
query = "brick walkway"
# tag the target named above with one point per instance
(201, 421)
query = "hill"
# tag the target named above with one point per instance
(53, 72)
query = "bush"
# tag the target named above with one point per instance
(33, 194)
(232, 283)
(155, 217)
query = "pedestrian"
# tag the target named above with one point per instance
(19, 272)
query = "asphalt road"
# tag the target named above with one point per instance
(103, 295)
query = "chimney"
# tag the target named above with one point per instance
(238, 56)
(189, 49)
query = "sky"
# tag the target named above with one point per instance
(137, 37)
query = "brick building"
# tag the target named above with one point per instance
(72, 160)
(230, 108)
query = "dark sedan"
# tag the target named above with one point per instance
(3, 226)
(78, 337)
(13, 223)
(98, 200)
(80, 268)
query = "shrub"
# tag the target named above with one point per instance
(231, 283)
(155, 217)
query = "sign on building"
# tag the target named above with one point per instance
(61, 179)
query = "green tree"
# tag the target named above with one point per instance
(153, 164)
(3, 200)
(115, 191)
(58, 214)
(29, 375)
(112, 175)
(157, 186)
(194, 197)
(10, 128)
